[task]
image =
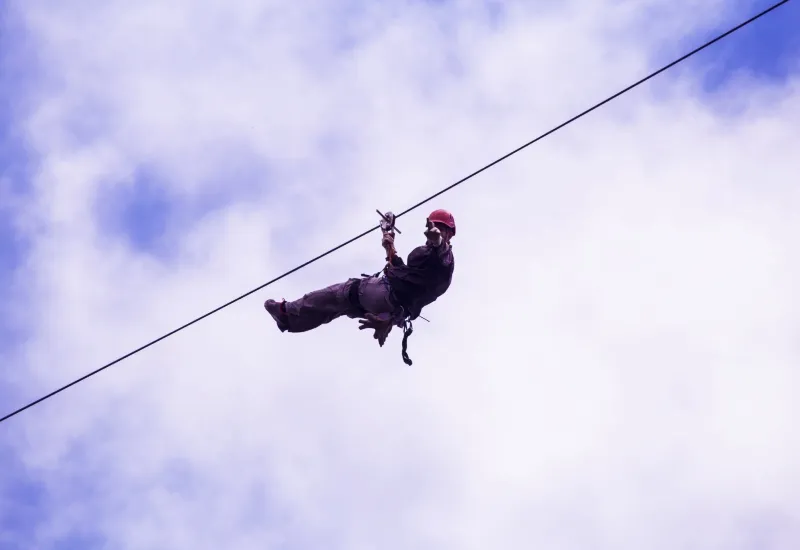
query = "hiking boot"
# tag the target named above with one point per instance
(278, 312)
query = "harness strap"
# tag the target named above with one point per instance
(408, 329)
(352, 295)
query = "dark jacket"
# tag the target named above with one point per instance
(420, 282)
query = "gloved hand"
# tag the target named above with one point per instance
(381, 324)
(388, 244)
(388, 240)
(434, 236)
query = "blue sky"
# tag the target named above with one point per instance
(766, 49)
(15, 159)
(16, 165)
(148, 216)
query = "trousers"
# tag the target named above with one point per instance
(323, 306)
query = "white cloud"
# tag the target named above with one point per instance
(613, 367)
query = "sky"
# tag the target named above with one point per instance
(615, 365)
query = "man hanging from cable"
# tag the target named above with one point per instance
(382, 301)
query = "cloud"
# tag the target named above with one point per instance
(614, 365)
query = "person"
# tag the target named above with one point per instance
(383, 300)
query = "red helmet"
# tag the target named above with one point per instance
(445, 217)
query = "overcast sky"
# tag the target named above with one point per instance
(614, 367)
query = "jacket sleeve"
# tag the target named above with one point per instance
(425, 254)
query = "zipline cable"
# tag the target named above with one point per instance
(365, 233)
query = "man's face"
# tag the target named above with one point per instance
(446, 232)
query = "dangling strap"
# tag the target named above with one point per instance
(408, 330)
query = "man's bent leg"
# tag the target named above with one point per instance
(314, 309)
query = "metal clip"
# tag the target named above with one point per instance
(387, 223)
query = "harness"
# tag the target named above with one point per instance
(408, 327)
(387, 224)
